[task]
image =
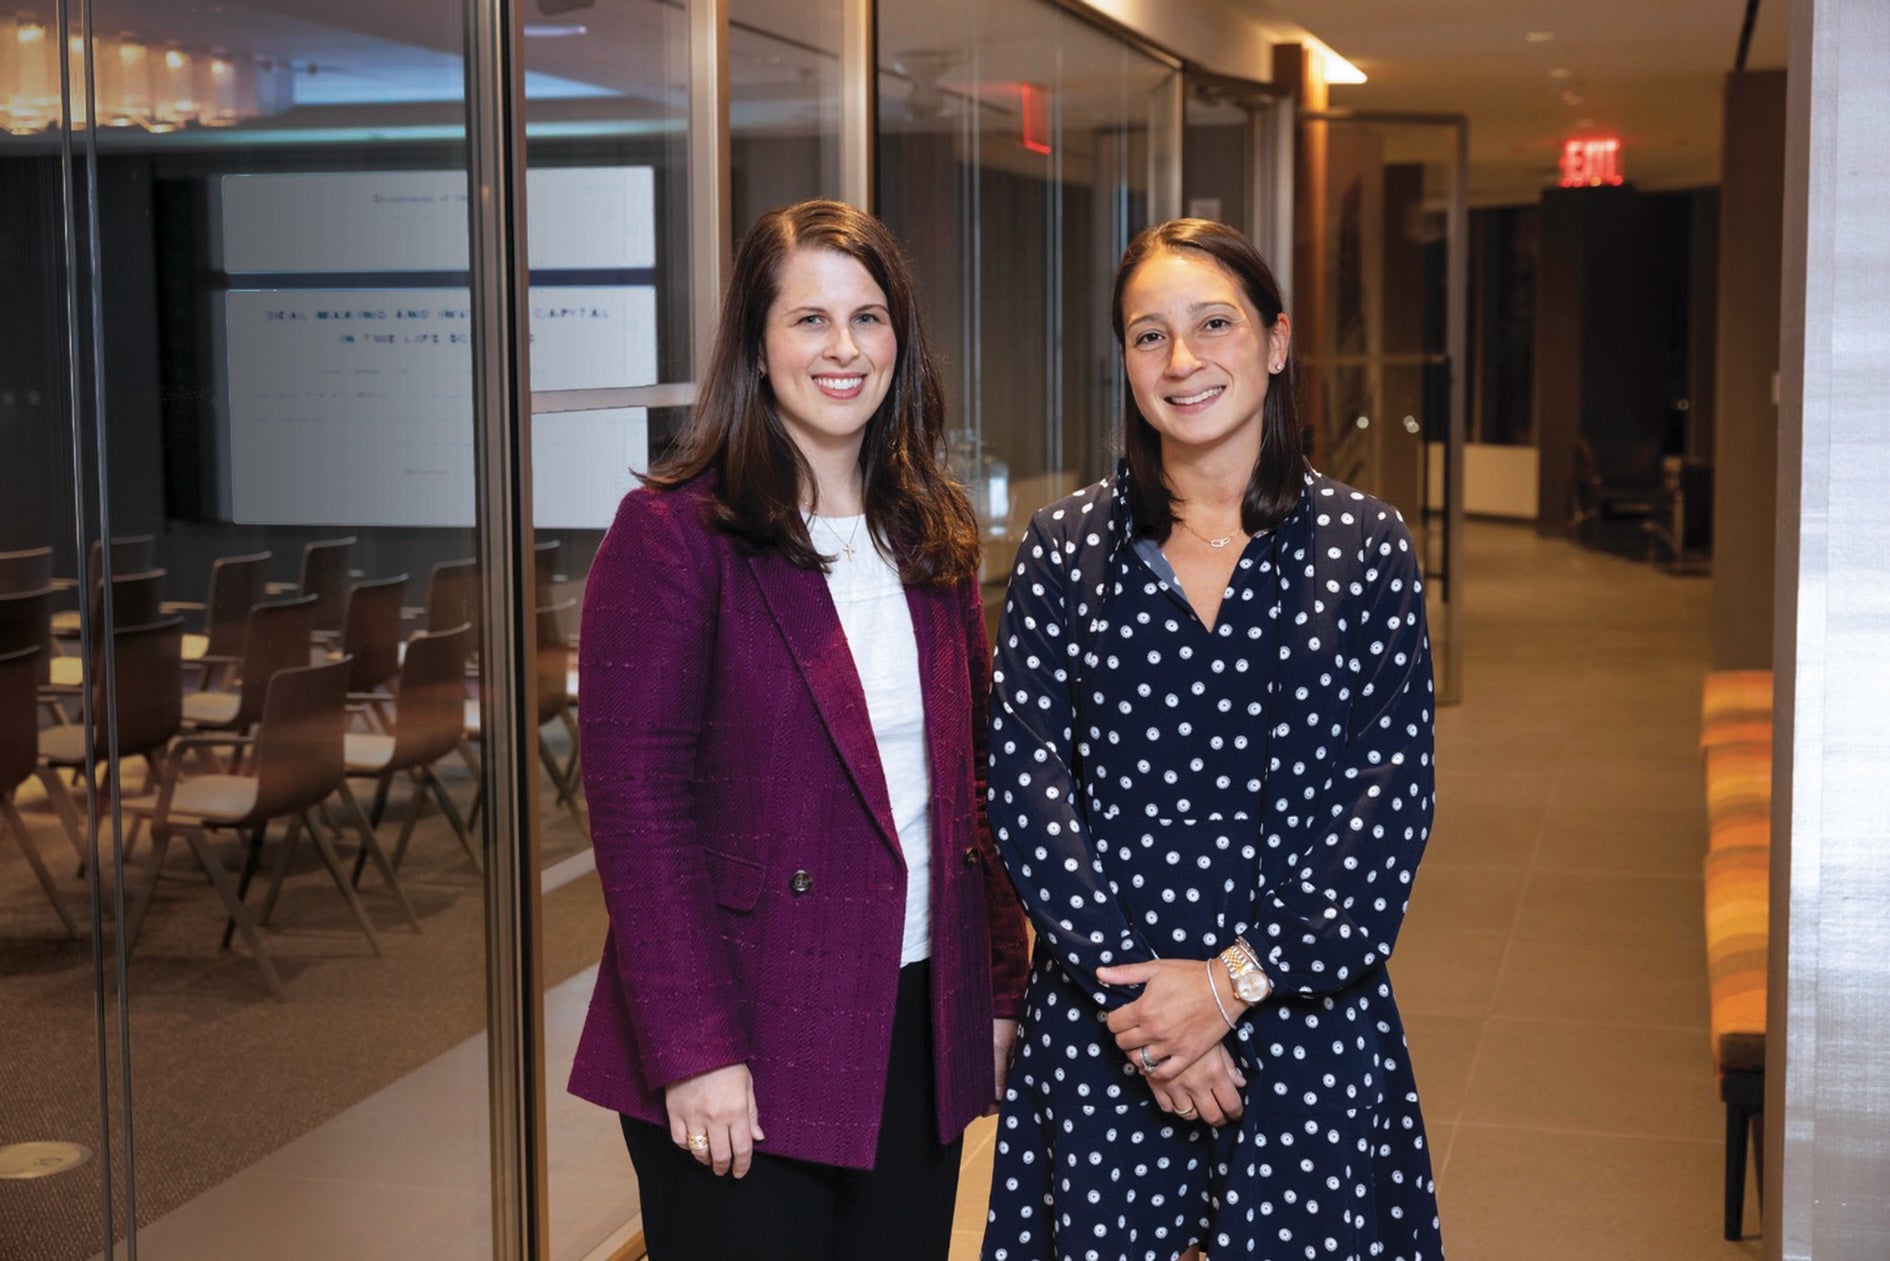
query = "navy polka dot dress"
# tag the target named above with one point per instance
(1159, 788)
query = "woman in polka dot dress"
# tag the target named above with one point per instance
(1212, 782)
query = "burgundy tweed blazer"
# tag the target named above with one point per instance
(745, 842)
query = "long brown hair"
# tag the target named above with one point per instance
(1273, 488)
(912, 506)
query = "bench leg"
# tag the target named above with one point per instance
(1745, 1098)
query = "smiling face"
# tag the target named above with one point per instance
(1198, 353)
(828, 350)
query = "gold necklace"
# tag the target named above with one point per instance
(1216, 544)
(846, 544)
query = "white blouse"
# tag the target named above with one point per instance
(878, 625)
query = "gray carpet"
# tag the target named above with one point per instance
(222, 1073)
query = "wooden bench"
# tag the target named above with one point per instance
(1736, 739)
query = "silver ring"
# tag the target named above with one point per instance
(1187, 1114)
(1147, 1063)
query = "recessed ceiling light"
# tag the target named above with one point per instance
(1560, 72)
(1538, 37)
(553, 30)
(1571, 97)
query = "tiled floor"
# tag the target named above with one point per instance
(1551, 970)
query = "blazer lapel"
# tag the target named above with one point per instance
(803, 609)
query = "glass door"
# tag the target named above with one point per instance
(1380, 328)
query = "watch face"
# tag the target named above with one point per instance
(1252, 987)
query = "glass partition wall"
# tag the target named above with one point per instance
(249, 652)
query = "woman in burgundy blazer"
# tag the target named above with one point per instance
(751, 1014)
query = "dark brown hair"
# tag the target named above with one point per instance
(1273, 488)
(912, 506)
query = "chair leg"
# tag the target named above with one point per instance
(220, 878)
(557, 774)
(11, 817)
(252, 856)
(371, 848)
(67, 812)
(378, 810)
(290, 842)
(332, 861)
(416, 806)
(154, 866)
(460, 827)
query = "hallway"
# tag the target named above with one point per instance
(1552, 971)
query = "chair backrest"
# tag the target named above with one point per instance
(430, 716)
(26, 622)
(371, 633)
(137, 599)
(276, 639)
(237, 584)
(453, 595)
(27, 570)
(325, 576)
(554, 660)
(150, 675)
(545, 553)
(131, 553)
(300, 743)
(19, 716)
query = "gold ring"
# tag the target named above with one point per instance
(1186, 1113)
(698, 1142)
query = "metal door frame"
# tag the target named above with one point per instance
(1456, 342)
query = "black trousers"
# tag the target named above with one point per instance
(795, 1210)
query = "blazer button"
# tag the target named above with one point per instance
(972, 857)
(801, 882)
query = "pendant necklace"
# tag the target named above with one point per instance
(846, 544)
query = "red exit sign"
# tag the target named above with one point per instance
(1591, 162)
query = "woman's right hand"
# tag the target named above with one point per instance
(1207, 1090)
(718, 1105)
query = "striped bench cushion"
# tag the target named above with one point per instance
(1736, 910)
(1736, 707)
(1738, 795)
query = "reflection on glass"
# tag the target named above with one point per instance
(288, 609)
(608, 216)
(1014, 167)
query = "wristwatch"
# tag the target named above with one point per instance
(1243, 969)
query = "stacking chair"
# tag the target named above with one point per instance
(19, 757)
(137, 600)
(130, 553)
(427, 726)
(27, 570)
(371, 639)
(551, 686)
(236, 587)
(296, 764)
(147, 717)
(276, 637)
(545, 575)
(453, 595)
(326, 576)
(26, 622)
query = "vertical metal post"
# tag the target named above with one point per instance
(710, 210)
(1272, 195)
(1166, 122)
(1456, 321)
(859, 102)
(495, 102)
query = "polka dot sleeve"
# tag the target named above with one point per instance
(1338, 910)
(1035, 810)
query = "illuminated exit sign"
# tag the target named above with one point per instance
(1591, 162)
